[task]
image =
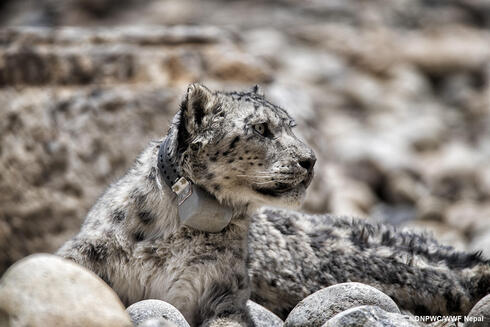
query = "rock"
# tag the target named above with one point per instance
(227, 64)
(348, 195)
(394, 215)
(317, 308)
(469, 217)
(147, 309)
(479, 316)
(44, 203)
(157, 322)
(482, 243)
(46, 290)
(483, 178)
(264, 43)
(65, 67)
(263, 317)
(370, 316)
(134, 35)
(453, 49)
(321, 67)
(363, 90)
(442, 323)
(290, 96)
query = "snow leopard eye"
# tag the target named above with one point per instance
(262, 129)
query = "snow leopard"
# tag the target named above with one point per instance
(240, 150)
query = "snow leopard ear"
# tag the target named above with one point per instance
(198, 103)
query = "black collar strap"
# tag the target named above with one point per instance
(196, 207)
(169, 170)
(166, 162)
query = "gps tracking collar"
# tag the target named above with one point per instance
(196, 207)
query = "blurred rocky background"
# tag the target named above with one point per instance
(394, 96)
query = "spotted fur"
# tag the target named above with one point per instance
(293, 254)
(241, 149)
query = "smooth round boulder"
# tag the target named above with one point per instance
(46, 290)
(148, 309)
(320, 306)
(157, 322)
(370, 316)
(263, 317)
(479, 316)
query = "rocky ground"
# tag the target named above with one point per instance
(46, 290)
(394, 97)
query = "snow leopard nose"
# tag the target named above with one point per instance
(308, 163)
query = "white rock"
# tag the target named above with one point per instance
(46, 290)
(263, 317)
(469, 217)
(149, 309)
(479, 316)
(157, 322)
(370, 316)
(320, 306)
(295, 100)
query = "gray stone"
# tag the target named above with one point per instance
(320, 306)
(46, 290)
(298, 102)
(148, 309)
(479, 316)
(370, 316)
(263, 317)
(442, 323)
(157, 322)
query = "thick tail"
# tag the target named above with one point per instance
(293, 255)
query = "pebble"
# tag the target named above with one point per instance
(157, 322)
(320, 306)
(263, 317)
(149, 309)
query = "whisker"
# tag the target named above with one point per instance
(260, 174)
(256, 176)
(262, 183)
(272, 178)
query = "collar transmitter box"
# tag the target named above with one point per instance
(196, 208)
